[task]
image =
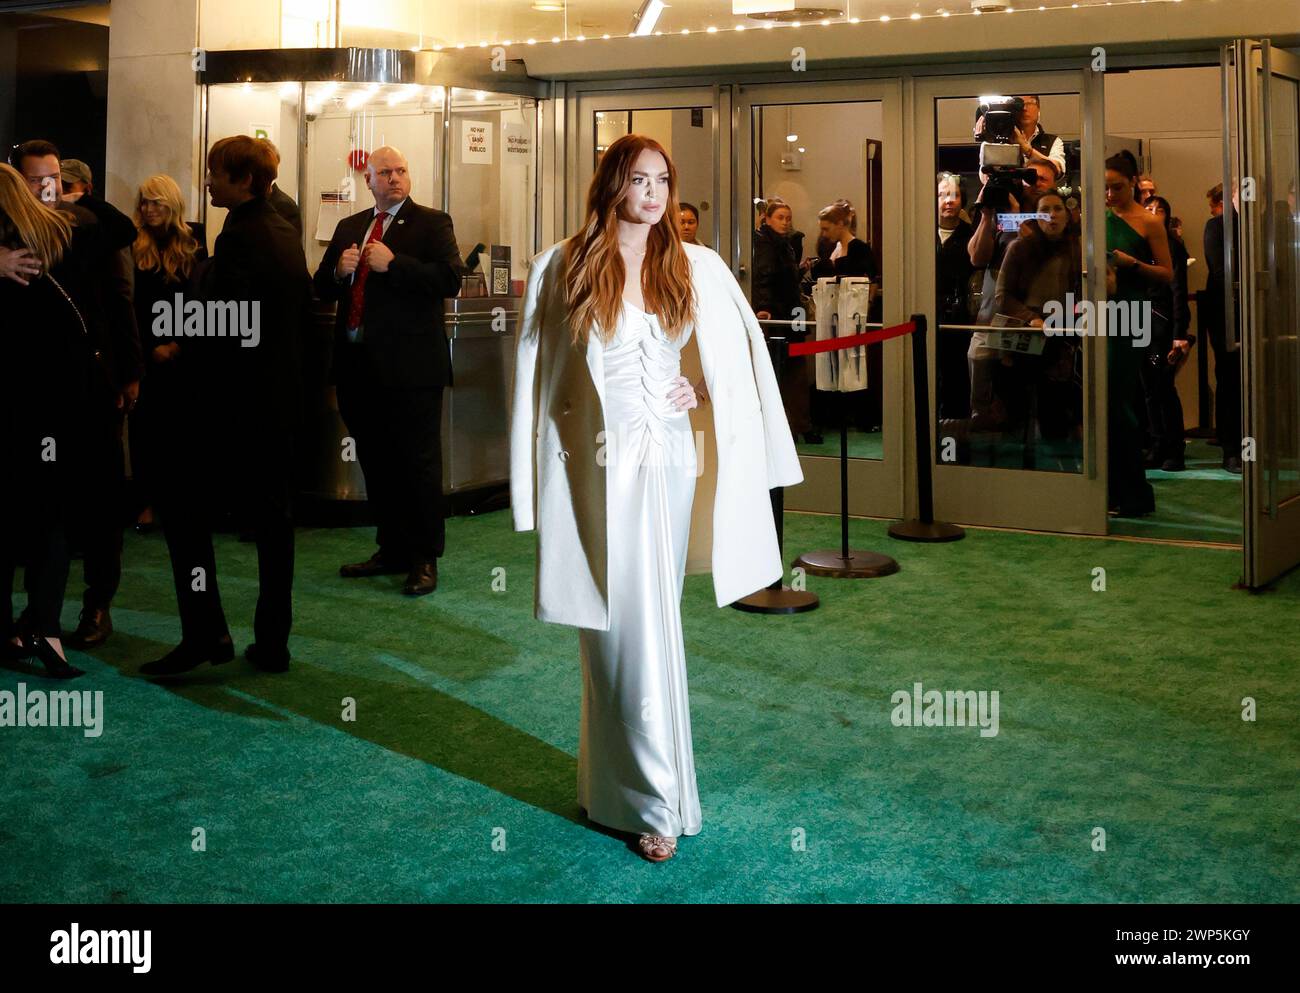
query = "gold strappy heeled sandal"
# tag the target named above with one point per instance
(656, 847)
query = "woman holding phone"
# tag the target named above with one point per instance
(1138, 249)
(604, 464)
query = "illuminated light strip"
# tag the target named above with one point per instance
(883, 19)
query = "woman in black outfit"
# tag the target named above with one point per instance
(1170, 343)
(167, 253)
(774, 296)
(952, 277)
(45, 376)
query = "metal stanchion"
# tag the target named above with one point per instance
(778, 598)
(924, 528)
(844, 562)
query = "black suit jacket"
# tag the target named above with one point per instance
(97, 275)
(405, 331)
(286, 207)
(258, 257)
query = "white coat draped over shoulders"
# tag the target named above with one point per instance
(557, 481)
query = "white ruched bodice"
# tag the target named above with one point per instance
(641, 363)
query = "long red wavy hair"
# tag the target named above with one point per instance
(594, 270)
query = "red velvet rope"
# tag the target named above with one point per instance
(852, 341)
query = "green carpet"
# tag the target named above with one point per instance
(861, 444)
(1202, 503)
(1118, 709)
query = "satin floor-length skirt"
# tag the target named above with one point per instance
(636, 767)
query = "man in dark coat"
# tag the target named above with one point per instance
(389, 269)
(99, 275)
(283, 204)
(1227, 363)
(242, 373)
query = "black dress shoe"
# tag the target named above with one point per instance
(813, 437)
(183, 658)
(376, 565)
(94, 628)
(1233, 464)
(277, 661)
(55, 666)
(1173, 465)
(422, 579)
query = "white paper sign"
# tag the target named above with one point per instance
(515, 142)
(476, 142)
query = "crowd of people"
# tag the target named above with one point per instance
(781, 296)
(126, 328)
(212, 422)
(1021, 391)
(1008, 394)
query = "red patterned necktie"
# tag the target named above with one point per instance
(358, 304)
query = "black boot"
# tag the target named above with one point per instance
(56, 667)
(185, 657)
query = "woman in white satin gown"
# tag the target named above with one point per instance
(604, 466)
(636, 769)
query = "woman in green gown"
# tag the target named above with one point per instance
(1138, 251)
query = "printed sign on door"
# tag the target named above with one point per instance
(476, 142)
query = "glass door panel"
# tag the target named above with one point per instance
(1262, 165)
(1003, 241)
(819, 186)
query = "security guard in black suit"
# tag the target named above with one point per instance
(389, 269)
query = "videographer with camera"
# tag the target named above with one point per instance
(1009, 189)
(1035, 144)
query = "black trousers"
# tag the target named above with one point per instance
(249, 471)
(398, 435)
(1227, 394)
(101, 521)
(1164, 408)
(42, 551)
(952, 374)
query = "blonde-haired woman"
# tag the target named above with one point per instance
(604, 466)
(45, 366)
(167, 253)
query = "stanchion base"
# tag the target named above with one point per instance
(782, 601)
(920, 531)
(859, 564)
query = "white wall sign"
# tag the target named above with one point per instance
(476, 142)
(515, 142)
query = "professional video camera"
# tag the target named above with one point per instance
(999, 151)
